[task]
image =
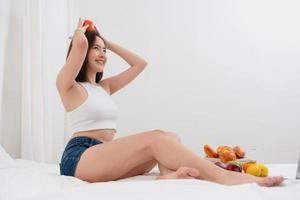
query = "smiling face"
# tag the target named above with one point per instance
(97, 56)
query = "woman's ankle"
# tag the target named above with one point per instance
(235, 178)
(220, 177)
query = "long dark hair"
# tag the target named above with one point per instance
(91, 37)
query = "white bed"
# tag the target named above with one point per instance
(24, 179)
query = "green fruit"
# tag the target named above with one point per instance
(235, 162)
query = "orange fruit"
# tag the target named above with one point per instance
(246, 165)
(210, 152)
(254, 170)
(263, 169)
(227, 155)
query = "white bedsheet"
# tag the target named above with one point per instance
(32, 180)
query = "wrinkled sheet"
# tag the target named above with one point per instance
(33, 180)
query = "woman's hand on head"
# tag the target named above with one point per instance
(79, 35)
(80, 26)
(107, 42)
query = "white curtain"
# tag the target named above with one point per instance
(4, 15)
(33, 49)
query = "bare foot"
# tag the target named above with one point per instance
(181, 173)
(270, 181)
(230, 178)
(241, 178)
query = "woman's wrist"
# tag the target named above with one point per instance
(107, 44)
(78, 30)
(79, 37)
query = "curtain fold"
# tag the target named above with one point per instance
(32, 96)
(4, 20)
(33, 49)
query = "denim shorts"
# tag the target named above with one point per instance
(72, 153)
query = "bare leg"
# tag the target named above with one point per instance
(148, 166)
(184, 172)
(165, 173)
(180, 173)
(121, 158)
(162, 169)
(114, 159)
(173, 155)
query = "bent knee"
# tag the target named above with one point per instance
(159, 134)
(154, 134)
(173, 136)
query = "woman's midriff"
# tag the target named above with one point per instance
(105, 135)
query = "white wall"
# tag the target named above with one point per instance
(219, 72)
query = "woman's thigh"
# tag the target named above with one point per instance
(112, 160)
(140, 169)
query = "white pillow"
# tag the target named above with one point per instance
(5, 159)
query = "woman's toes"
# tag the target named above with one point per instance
(181, 173)
(278, 180)
(193, 172)
(187, 172)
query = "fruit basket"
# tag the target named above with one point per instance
(234, 159)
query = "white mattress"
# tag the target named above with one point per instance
(32, 180)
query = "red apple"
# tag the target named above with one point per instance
(91, 26)
(233, 167)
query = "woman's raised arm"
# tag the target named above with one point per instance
(78, 49)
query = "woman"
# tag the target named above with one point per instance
(91, 154)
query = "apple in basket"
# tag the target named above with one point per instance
(234, 166)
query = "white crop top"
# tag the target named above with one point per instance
(98, 111)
